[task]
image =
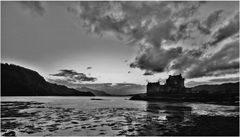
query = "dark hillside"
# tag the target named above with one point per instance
(19, 81)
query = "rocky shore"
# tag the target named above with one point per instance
(186, 98)
(40, 119)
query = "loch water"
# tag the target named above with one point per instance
(83, 116)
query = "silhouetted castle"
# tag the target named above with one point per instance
(174, 85)
(174, 90)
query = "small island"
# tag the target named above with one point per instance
(174, 90)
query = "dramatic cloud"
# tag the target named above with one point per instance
(61, 82)
(229, 28)
(66, 73)
(34, 7)
(212, 18)
(225, 61)
(193, 63)
(157, 26)
(147, 73)
(156, 59)
(141, 22)
(165, 32)
(186, 59)
(72, 76)
(209, 23)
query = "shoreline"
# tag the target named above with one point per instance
(144, 97)
(36, 118)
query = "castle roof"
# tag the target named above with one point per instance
(175, 77)
(153, 83)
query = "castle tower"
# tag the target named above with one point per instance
(152, 88)
(175, 83)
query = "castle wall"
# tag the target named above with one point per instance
(152, 89)
(174, 84)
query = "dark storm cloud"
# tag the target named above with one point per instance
(204, 30)
(35, 7)
(191, 63)
(212, 18)
(66, 73)
(225, 61)
(186, 59)
(141, 22)
(73, 76)
(156, 59)
(206, 25)
(61, 82)
(155, 26)
(230, 28)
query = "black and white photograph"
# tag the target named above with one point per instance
(119, 68)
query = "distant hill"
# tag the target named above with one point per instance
(223, 88)
(19, 81)
(116, 89)
(95, 92)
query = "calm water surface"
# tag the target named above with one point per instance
(108, 116)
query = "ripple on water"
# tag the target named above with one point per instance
(156, 119)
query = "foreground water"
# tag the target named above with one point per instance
(114, 116)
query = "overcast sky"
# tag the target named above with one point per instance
(117, 42)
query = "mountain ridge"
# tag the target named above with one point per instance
(224, 87)
(94, 91)
(20, 81)
(15, 78)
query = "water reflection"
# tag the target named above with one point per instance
(173, 112)
(189, 119)
(116, 117)
(164, 118)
